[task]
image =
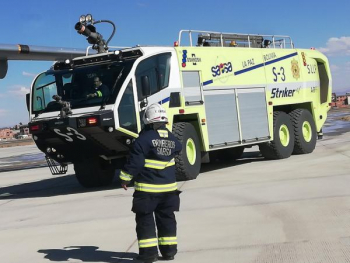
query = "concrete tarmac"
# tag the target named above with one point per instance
(295, 210)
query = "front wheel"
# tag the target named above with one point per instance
(283, 138)
(188, 161)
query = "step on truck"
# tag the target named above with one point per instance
(223, 92)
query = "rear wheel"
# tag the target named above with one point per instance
(188, 161)
(304, 131)
(283, 138)
(94, 173)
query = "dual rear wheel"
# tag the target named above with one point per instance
(294, 133)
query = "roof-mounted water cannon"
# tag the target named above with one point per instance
(86, 27)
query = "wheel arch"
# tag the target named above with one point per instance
(195, 121)
(289, 108)
(306, 106)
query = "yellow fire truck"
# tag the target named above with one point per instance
(223, 93)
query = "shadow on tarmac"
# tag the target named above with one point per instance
(88, 254)
(54, 186)
(247, 157)
(67, 184)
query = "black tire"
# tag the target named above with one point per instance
(304, 131)
(230, 154)
(276, 149)
(187, 169)
(94, 173)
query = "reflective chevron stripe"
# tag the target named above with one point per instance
(163, 133)
(125, 176)
(155, 188)
(152, 242)
(163, 241)
(158, 164)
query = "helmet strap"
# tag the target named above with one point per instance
(157, 125)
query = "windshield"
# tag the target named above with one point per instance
(82, 87)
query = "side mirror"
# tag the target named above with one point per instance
(145, 86)
(28, 100)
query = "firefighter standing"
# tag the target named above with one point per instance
(152, 166)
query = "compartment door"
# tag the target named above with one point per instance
(221, 114)
(253, 114)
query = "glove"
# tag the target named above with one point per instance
(90, 95)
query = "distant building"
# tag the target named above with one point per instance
(6, 134)
(341, 100)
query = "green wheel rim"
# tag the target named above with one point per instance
(284, 135)
(191, 151)
(307, 131)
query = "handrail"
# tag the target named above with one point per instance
(284, 38)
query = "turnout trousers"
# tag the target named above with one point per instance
(156, 222)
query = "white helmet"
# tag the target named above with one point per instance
(155, 113)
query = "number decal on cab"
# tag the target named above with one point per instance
(71, 132)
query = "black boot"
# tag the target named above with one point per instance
(168, 257)
(147, 258)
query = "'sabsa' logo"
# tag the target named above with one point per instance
(222, 68)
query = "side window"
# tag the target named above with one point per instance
(67, 89)
(163, 70)
(192, 87)
(126, 110)
(157, 68)
(45, 87)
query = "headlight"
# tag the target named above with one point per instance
(82, 19)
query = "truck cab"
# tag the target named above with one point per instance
(95, 134)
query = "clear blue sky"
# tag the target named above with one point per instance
(324, 25)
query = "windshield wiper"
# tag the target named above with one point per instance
(103, 105)
(116, 81)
